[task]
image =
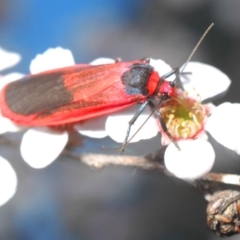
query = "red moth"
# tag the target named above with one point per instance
(77, 93)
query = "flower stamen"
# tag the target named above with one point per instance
(184, 116)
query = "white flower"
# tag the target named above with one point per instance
(203, 82)
(184, 114)
(8, 177)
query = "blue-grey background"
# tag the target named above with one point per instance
(69, 200)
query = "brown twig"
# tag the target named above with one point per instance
(225, 178)
(102, 160)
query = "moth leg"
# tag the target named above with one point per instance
(132, 121)
(163, 125)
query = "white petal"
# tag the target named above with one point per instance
(204, 80)
(195, 158)
(41, 146)
(100, 61)
(6, 125)
(8, 59)
(8, 181)
(51, 59)
(94, 128)
(10, 78)
(162, 68)
(117, 124)
(224, 125)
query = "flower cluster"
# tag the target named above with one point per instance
(186, 118)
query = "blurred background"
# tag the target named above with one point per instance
(69, 200)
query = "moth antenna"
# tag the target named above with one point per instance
(195, 48)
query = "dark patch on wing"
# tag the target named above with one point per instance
(84, 104)
(136, 79)
(37, 93)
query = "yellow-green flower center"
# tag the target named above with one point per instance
(184, 117)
